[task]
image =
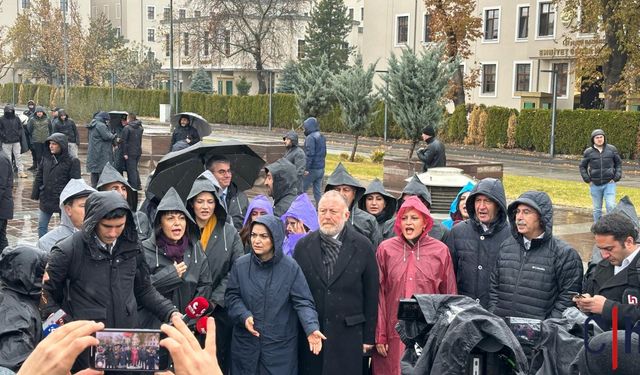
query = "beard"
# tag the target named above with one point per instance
(331, 229)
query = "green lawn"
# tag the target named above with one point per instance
(562, 192)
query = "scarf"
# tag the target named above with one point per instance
(173, 251)
(330, 251)
(207, 231)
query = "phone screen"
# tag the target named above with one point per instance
(129, 350)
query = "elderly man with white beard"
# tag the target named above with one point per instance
(340, 267)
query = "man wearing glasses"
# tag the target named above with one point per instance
(235, 201)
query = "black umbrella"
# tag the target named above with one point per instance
(115, 121)
(180, 169)
(202, 126)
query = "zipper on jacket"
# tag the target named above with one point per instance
(522, 262)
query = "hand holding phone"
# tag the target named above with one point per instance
(130, 350)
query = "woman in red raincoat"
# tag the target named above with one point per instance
(410, 263)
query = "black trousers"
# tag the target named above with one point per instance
(3, 235)
(133, 176)
(39, 149)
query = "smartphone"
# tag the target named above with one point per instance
(576, 295)
(409, 309)
(129, 350)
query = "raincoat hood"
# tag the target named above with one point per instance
(341, 176)
(134, 124)
(98, 205)
(494, 190)
(598, 132)
(9, 111)
(625, 207)
(110, 174)
(302, 209)
(21, 269)
(40, 109)
(274, 226)
(417, 188)
(285, 179)
(75, 188)
(202, 184)
(454, 205)
(172, 202)
(293, 136)
(261, 202)
(391, 203)
(60, 139)
(62, 112)
(416, 204)
(310, 125)
(539, 201)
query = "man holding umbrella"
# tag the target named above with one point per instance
(185, 132)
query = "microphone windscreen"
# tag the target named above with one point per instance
(201, 325)
(197, 307)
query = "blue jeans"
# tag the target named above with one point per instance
(598, 192)
(43, 223)
(314, 178)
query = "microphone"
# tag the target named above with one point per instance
(197, 308)
(47, 331)
(201, 325)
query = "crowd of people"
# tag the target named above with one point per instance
(295, 285)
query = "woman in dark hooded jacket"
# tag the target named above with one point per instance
(382, 205)
(179, 268)
(260, 205)
(222, 245)
(267, 298)
(21, 271)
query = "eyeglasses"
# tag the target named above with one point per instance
(223, 171)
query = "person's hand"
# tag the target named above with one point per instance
(589, 304)
(57, 352)
(249, 325)
(126, 157)
(382, 349)
(315, 342)
(187, 355)
(188, 140)
(306, 173)
(181, 268)
(366, 348)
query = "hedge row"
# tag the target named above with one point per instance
(532, 131)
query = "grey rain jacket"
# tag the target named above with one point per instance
(100, 151)
(295, 154)
(285, 186)
(361, 220)
(224, 245)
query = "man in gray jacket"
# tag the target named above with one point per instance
(295, 155)
(72, 201)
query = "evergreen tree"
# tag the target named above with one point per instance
(202, 82)
(353, 89)
(243, 86)
(289, 78)
(415, 86)
(326, 35)
(313, 90)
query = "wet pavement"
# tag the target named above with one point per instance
(570, 224)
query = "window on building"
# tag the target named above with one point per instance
(64, 5)
(185, 38)
(206, 41)
(151, 35)
(166, 15)
(301, 45)
(402, 29)
(523, 77)
(546, 19)
(489, 79)
(182, 13)
(167, 44)
(351, 14)
(94, 11)
(118, 32)
(197, 13)
(587, 26)
(523, 22)
(227, 42)
(151, 55)
(426, 30)
(362, 14)
(25, 4)
(118, 12)
(563, 78)
(151, 12)
(491, 24)
(105, 10)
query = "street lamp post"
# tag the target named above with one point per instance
(270, 101)
(65, 47)
(386, 108)
(171, 83)
(554, 101)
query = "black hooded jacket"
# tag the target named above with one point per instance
(600, 167)
(6, 188)
(132, 139)
(224, 245)
(90, 283)
(474, 250)
(361, 220)
(389, 211)
(433, 155)
(181, 133)
(285, 185)
(195, 282)
(53, 174)
(66, 127)
(535, 283)
(21, 270)
(10, 126)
